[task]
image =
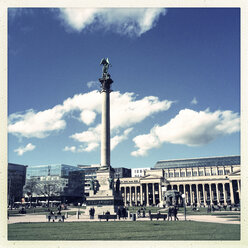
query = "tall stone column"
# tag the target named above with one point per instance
(190, 193)
(105, 133)
(141, 194)
(204, 194)
(210, 193)
(160, 192)
(239, 191)
(125, 196)
(153, 193)
(197, 195)
(224, 192)
(231, 192)
(135, 195)
(217, 193)
(147, 194)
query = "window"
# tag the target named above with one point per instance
(165, 174)
(188, 173)
(207, 173)
(220, 172)
(200, 173)
(227, 172)
(183, 174)
(176, 174)
(170, 174)
(213, 172)
(194, 173)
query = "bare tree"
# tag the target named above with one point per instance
(30, 188)
(49, 189)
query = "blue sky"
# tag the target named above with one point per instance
(176, 90)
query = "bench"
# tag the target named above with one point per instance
(158, 216)
(56, 217)
(107, 217)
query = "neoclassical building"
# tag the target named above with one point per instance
(203, 181)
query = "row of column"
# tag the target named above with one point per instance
(195, 193)
(143, 194)
(210, 192)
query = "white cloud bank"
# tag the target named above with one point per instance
(124, 21)
(189, 128)
(21, 150)
(126, 111)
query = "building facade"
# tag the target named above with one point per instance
(50, 182)
(204, 181)
(139, 172)
(16, 182)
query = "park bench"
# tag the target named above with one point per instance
(107, 217)
(158, 216)
(56, 217)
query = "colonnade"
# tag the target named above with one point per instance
(199, 193)
(209, 192)
(144, 194)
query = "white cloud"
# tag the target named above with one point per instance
(21, 150)
(194, 101)
(125, 21)
(189, 128)
(92, 84)
(70, 148)
(119, 138)
(87, 116)
(126, 111)
(91, 147)
(38, 125)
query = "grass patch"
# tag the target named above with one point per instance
(140, 230)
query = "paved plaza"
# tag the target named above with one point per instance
(223, 219)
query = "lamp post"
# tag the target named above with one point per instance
(183, 196)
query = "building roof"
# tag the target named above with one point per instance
(198, 162)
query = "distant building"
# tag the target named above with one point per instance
(51, 181)
(16, 182)
(61, 170)
(139, 172)
(122, 172)
(203, 182)
(74, 192)
(89, 172)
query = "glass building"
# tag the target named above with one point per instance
(60, 170)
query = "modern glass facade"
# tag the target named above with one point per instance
(60, 170)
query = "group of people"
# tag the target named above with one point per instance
(122, 213)
(172, 212)
(142, 212)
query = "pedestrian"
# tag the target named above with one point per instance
(144, 213)
(170, 214)
(93, 213)
(90, 212)
(175, 213)
(150, 212)
(124, 213)
(119, 213)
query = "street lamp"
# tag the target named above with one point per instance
(183, 196)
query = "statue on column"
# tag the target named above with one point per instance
(106, 64)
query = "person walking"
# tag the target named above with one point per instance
(170, 214)
(175, 213)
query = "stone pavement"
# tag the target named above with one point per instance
(73, 218)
